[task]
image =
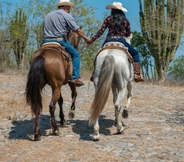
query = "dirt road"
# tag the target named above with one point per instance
(155, 127)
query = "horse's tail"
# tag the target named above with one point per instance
(35, 82)
(103, 89)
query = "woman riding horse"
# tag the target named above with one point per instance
(119, 27)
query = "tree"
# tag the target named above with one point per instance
(146, 59)
(38, 31)
(19, 36)
(162, 23)
(176, 69)
(5, 49)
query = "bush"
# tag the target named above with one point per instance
(176, 69)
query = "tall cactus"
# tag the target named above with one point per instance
(162, 23)
(19, 35)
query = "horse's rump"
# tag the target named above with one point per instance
(57, 64)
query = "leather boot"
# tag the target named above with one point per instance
(137, 72)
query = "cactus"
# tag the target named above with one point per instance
(19, 35)
(162, 23)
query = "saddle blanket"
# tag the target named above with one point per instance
(115, 45)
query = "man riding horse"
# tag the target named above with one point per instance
(56, 27)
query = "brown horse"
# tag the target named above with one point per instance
(50, 65)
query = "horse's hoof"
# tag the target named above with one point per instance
(63, 123)
(37, 138)
(125, 114)
(121, 130)
(56, 133)
(71, 114)
(96, 137)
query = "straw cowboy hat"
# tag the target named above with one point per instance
(117, 6)
(65, 3)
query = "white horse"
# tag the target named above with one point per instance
(112, 70)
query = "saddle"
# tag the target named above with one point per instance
(53, 46)
(115, 45)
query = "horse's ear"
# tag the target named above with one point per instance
(81, 27)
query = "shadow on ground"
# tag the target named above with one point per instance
(25, 129)
(85, 131)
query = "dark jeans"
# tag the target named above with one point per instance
(131, 50)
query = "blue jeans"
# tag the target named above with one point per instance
(131, 50)
(74, 54)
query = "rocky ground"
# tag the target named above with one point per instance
(154, 130)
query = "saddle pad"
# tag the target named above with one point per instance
(51, 43)
(115, 45)
(54, 46)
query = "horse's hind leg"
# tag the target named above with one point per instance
(129, 96)
(37, 135)
(55, 96)
(61, 114)
(96, 135)
(71, 113)
(118, 99)
(115, 95)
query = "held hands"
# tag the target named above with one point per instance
(89, 41)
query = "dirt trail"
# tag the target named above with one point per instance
(155, 127)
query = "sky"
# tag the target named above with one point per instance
(131, 5)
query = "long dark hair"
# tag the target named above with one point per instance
(117, 18)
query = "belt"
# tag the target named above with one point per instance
(115, 37)
(58, 39)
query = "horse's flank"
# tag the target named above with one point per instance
(63, 66)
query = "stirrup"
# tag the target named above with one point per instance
(78, 82)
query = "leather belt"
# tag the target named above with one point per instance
(114, 37)
(58, 39)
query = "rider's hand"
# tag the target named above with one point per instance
(89, 41)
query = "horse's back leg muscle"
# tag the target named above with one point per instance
(118, 99)
(55, 97)
(71, 113)
(61, 114)
(129, 96)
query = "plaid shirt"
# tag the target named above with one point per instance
(108, 24)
